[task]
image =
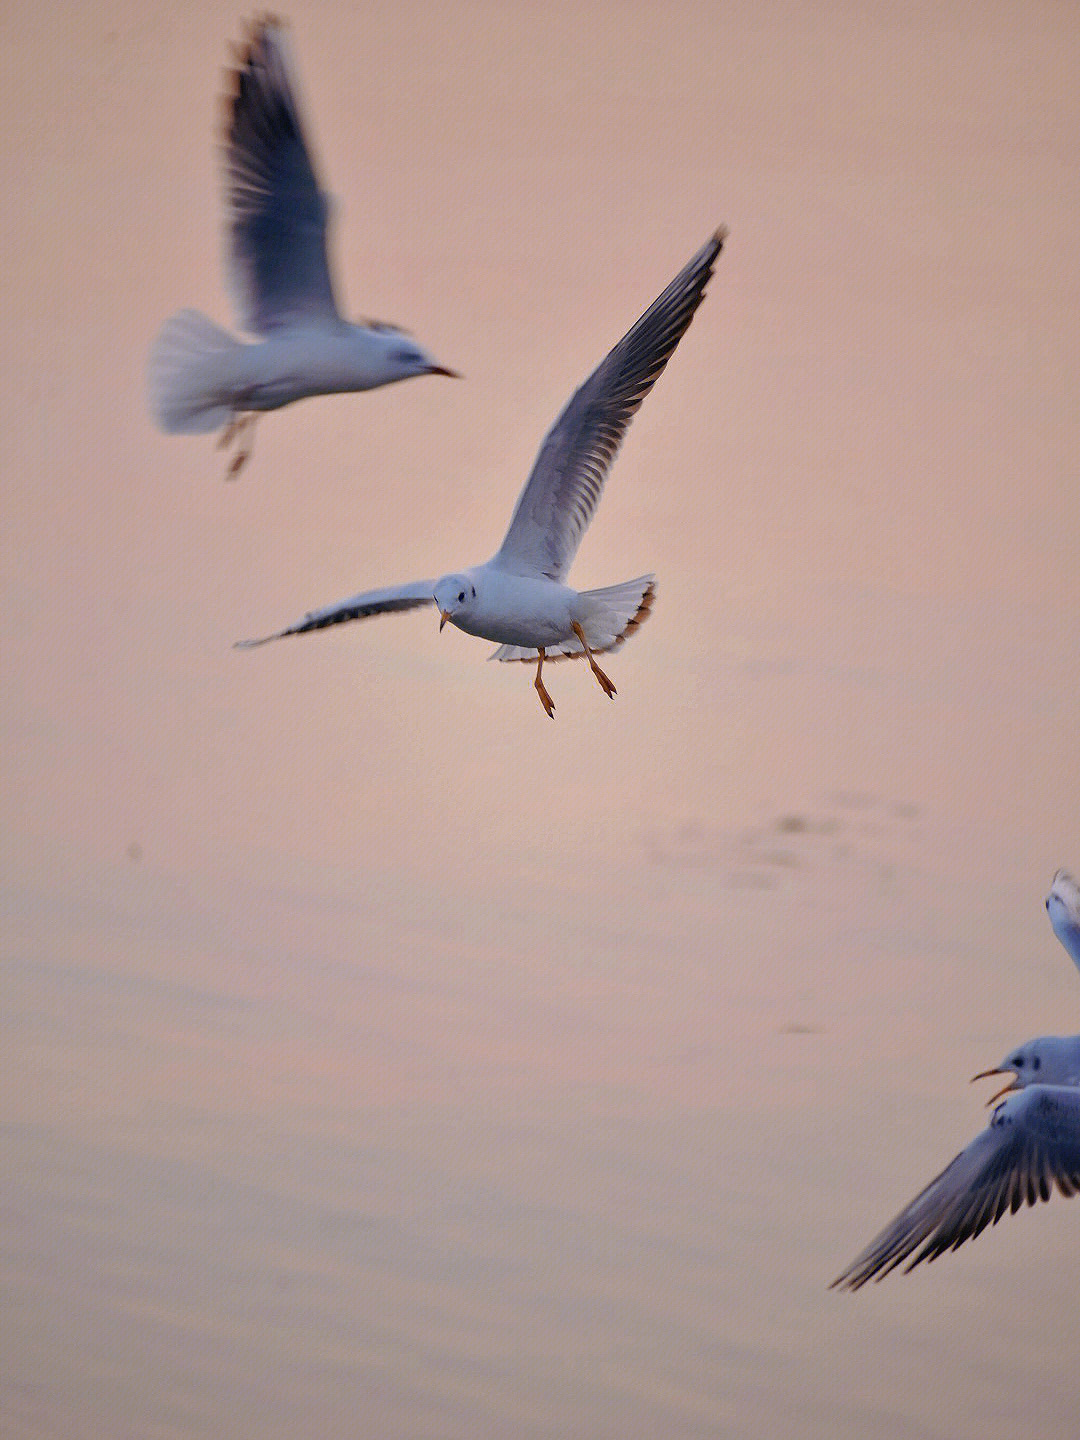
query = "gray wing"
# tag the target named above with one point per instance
(561, 495)
(1063, 907)
(1031, 1144)
(276, 212)
(357, 607)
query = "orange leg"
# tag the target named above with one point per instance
(545, 698)
(239, 426)
(601, 679)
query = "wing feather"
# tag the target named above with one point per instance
(277, 212)
(562, 492)
(1063, 907)
(357, 607)
(1031, 1144)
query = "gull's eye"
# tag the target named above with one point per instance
(461, 598)
(1019, 1062)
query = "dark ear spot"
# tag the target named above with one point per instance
(1035, 1062)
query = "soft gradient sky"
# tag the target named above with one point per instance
(381, 1057)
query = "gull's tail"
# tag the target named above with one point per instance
(608, 617)
(191, 375)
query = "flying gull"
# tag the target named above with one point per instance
(1031, 1144)
(200, 377)
(520, 598)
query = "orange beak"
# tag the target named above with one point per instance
(445, 614)
(1014, 1083)
(442, 370)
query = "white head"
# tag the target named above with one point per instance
(404, 357)
(1063, 907)
(1049, 1060)
(455, 595)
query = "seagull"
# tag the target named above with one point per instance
(519, 598)
(1031, 1144)
(201, 378)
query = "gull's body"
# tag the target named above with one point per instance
(519, 598)
(1031, 1145)
(202, 378)
(518, 610)
(293, 364)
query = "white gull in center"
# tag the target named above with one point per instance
(520, 598)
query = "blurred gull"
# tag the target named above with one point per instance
(1031, 1143)
(201, 378)
(519, 598)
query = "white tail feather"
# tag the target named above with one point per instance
(187, 375)
(611, 615)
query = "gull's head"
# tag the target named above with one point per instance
(1049, 1060)
(1063, 908)
(1023, 1066)
(405, 358)
(454, 595)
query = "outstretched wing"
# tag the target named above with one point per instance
(1031, 1144)
(561, 495)
(357, 607)
(1063, 907)
(276, 212)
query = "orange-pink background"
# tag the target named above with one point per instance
(382, 1058)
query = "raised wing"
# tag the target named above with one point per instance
(1063, 907)
(561, 495)
(1031, 1144)
(276, 213)
(357, 607)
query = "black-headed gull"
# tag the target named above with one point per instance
(519, 598)
(1031, 1144)
(200, 377)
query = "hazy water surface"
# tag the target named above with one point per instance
(381, 1058)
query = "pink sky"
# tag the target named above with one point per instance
(375, 893)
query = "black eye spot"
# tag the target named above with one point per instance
(461, 598)
(1019, 1062)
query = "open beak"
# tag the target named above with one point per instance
(442, 370)
(445, 614)
(1014, 1083)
